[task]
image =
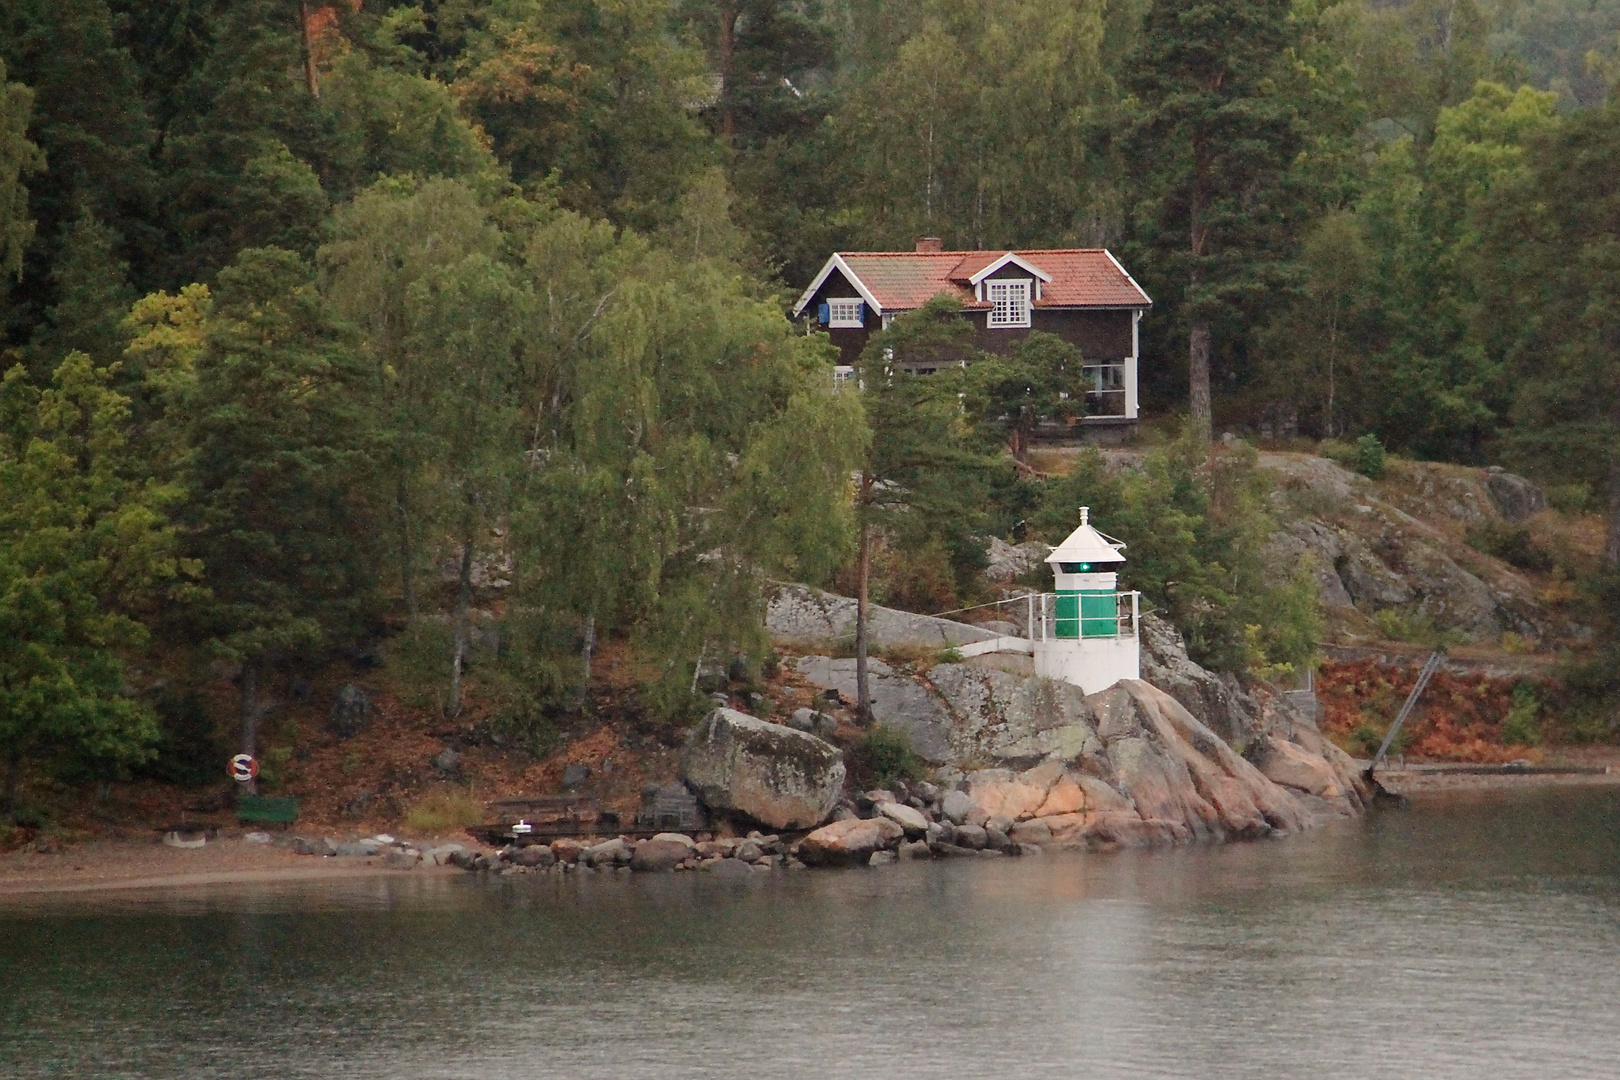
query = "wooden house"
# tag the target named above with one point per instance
(1082, 295)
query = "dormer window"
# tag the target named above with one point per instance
(1009, 303)
(845, 314)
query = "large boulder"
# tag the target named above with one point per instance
(350, 713)
(848, 842)
(780, 777)
(658, 855)
(1516, 497)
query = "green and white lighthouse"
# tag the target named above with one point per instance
(1085, 632)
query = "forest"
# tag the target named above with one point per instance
(317, 322)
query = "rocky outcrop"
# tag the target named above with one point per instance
(780, 777)
(1218, 700)
(957, 713)
(806, 617)
(1006, 562)
(1401, 545)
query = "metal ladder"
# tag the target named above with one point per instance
(1437, 658)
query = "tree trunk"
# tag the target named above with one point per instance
(407, 556)
(312, 78)
(250, 719)
(1198, 399)
(863, 704)
(590, 645)
(8, 791)
(1198, 376)
(729, 13)
(452, 707)
(1611, 549)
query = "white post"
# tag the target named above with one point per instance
(1136, 614)
(1130, 365)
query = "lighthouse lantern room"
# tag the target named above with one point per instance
(1085, 632)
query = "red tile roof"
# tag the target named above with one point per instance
(905, 280)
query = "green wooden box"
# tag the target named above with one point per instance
(266, 808)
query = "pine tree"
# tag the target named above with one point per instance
(275, 471)
(1213, 140)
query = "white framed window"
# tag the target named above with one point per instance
(1009, 302)
(845, 313)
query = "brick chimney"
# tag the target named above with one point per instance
(930, 245)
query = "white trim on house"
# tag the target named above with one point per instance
(836, 263)
(1118, 266)
(1012, 259)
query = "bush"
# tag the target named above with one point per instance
(1369, 459)
(1415, 627)
(886, 754)
(1513, 544)
(443, 810)
(1520, 727)
(1570, 499)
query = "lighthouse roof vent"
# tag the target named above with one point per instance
(1086, 546)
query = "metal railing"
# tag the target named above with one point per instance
(1043, 622)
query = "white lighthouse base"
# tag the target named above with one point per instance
(1092, 664)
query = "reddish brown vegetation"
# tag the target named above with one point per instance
(1459, 718)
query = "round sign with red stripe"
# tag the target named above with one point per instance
(244, 768)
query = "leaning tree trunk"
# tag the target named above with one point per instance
(250, 719)
(452, 707)
(863, 704)
(312, 79)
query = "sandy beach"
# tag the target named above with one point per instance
(147, 864)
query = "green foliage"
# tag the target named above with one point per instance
(189, 750)
(1513, 544)
(886, 754)
(1570, 499)
(19, 159)
(274, 445)
(1521, 727)
(1195, 529)
(1414, 625)
(1369, 459)
(86, 549)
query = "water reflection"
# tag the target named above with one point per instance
(1472, 935)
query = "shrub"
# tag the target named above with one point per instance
(1513, 544)
(1520, 727)
(1369, 459)
(443, 810)
(1570, 499)
(886, 754)
(1415, 627)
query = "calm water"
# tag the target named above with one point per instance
(1470, 937)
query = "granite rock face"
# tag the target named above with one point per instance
(780, 777)
(801, 615)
